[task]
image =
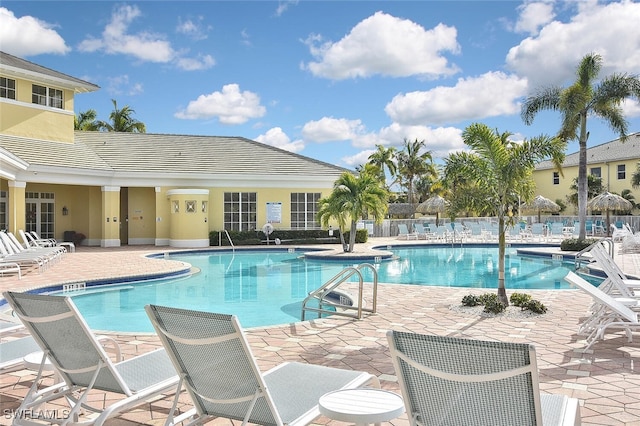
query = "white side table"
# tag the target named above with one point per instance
(361, 406)
(33, 360)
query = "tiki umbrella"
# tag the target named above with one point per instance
(608, 201)
(435, 204)
(541, 204)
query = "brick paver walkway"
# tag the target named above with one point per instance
(605, 379)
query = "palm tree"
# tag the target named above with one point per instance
(384, 158)
(86, 121)
(502, 173)
(635, 177)
(594, 187)
(412, 164)
(351, 198)
(582, 99)
(122, 121)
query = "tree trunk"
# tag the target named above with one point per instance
(352, 236)
(502, 292)
(583, 187)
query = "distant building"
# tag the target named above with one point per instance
(137, 188)
(614, 162)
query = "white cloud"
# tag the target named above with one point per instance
(202, 62)
(146, 46)
(195, 29)
(26, 36)
(329, 129)
(121, 85)
(276, 137)
(358, 159)
(491, 94)
(386, 45)
(533, 16)
(283, 5)
(551, 57)
(631, 108)
(441, 141)
(115, 39)
(230, 106)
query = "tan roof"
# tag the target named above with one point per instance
(12, 65)
(162, 153)
(607, 152)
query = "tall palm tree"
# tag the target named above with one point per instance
(122, 121)
(384, 158)
(86, 121)
(502, 172)
(413, 162)
(635, 177)
(351, 198)
(585, 97)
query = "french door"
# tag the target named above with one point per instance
(40, 217)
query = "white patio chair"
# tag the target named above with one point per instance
(453, 381)
(607, 312)
(218, 370)
(404, 234)
(83, 364)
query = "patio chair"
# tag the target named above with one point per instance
(421, 231)
(404, 234)
(606, 312)
(12, 353)
(83, 364)
(454, 381)
(619, 233)
(216, 366)
(9, 255)
(617, 281)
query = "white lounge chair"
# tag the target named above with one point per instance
(421, 231)
(617, 281)
(607, 312)
(453, 381)
(216, 366)
(8, 254)
(404, 234)
(83, 364)
(12, 353)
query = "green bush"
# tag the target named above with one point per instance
(574, 244)
(471, 300)
(519, 299)
(257, 237)
(536, 306)
(494, 306)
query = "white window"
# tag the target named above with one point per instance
(240, 211)
(304, 208)
(46, 96)
(7, 88)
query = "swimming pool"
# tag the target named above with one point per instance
(267, 287)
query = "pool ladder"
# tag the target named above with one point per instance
(332, 302)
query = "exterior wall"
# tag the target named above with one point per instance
(23, 118)
(141, 216)
(189, 223)
(610, 181)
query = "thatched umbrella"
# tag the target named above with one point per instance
(541, 204)
(401, 209)
(435, 204)
(607, 202)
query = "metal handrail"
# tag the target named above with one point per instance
(328, 287)
(233, 248)
(581, 255)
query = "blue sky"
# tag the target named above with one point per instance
(327, 79)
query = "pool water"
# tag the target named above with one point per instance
(267, 287)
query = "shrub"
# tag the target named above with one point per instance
(574, 244)
(494, 306)
(520, 299)
(471, 300)
(488, 298)
(536, 306)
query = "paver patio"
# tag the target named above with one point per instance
(605, 379)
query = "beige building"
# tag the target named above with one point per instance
(132, 188)
(614, 162)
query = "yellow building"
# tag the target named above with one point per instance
(133, 188)
(614, 162)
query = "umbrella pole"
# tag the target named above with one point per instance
(608, 224)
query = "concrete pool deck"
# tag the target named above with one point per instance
(604, 379)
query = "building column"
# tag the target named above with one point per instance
(162, 217)
(16, 206)
(110, 221)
